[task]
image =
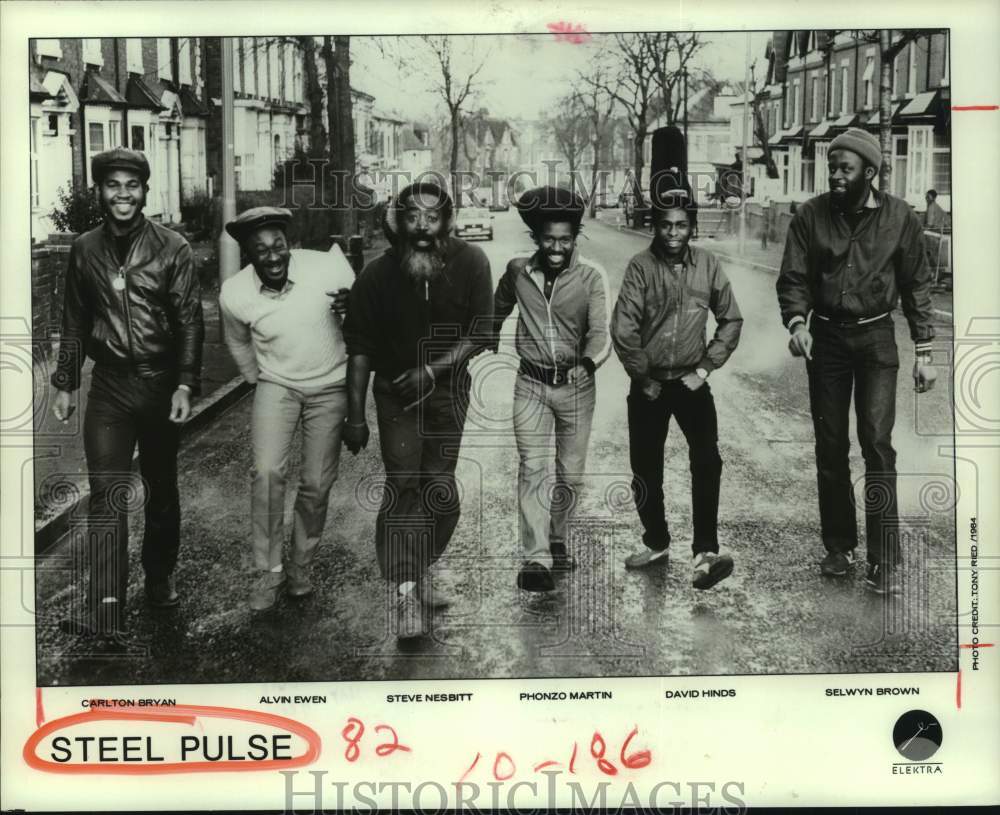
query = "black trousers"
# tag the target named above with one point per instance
(421, 504)
(862, 359)
(648, 422)
(123, 410)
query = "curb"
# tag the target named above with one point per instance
(48, 532)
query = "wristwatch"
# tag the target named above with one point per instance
(702, 373)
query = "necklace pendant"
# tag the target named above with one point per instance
(118, 284)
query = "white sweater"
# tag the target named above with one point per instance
(291, 337)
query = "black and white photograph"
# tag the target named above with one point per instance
(556, 353)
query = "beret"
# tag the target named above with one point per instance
(861, 142)
(249, 220)
(119, 158)
(546, 204)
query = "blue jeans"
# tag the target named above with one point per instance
(550, 419)
(863, 359)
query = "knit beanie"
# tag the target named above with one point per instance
(861, 142)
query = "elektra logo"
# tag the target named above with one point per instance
(917, 735)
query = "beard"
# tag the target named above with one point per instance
(423, 264)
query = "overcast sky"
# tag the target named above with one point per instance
(523, 74)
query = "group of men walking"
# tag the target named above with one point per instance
(312, 338)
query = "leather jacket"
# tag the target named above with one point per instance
(143, 317)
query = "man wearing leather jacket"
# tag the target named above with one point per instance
(132, 305)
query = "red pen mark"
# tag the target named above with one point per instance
(472, 766)
(975, 107)
(39, 710)
(597, 750)
(980, 645)
(390, 746)
(496, 767)
(958, 689)
(181, 714)
(638, 759)
(545, 764)
(352, 733)
(572, 760)
(574, 33)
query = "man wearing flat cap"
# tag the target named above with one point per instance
(132, 304)
(850, 255)
(286, 339)
(417, 315)
(562, 338)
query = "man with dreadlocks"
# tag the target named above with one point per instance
(658, 330)
(417, 314)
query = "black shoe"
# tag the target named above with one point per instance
(837, 564)
(161, 593)
(535, 577)
(883, 579)
(709, 568)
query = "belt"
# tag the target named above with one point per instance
(550, 376)
(850, 323)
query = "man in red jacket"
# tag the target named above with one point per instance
(132, 305)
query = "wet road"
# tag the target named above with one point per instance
(774, 615)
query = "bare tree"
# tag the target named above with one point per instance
(314, 97)
(634, 88)
(340, 126)
(598, 104)
(759, 125)
(453, 76)
(671, 53)
(569, 128)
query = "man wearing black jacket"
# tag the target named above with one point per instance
(850, 255)
(132, 305)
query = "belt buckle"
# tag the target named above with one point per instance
(557, 377)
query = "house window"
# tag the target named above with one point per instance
(35, 200)
(814, 115)
(274, 69)
(796, 107)
(163, 58)
(899, 166)
(95, 141)
(92, 51)
(133, 55)
(249, 66)
(844, 87)
(808, 179)
(184, 45)
(941, 165)
(289, 72)
(868, 79)
(48, 48)
(138, 137)
(114, 134)
(820, 166)
(260, 61)
(237, 66)
(52, 128)
(919, 168)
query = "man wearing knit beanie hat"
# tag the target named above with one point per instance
(851, 255)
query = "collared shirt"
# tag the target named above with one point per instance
(561, 328)
(660, 319)
(856, 273)
(290, 336)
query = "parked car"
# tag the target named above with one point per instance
(472, 218)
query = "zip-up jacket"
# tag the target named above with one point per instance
(856, 274)
(569, 329)
(659, 321)
(149, 322)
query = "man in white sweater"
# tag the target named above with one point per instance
(285, 336)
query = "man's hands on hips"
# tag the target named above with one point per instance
(577, 374)
(338, 301)
(692, 381)
(924, 375)
(63, 406)
(180, 406)
(651, 389)
(355, 435)
(801, 342)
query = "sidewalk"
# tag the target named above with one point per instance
(60, 470)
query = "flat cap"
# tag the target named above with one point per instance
(119, 158)
(546, 204)
(249, 220)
